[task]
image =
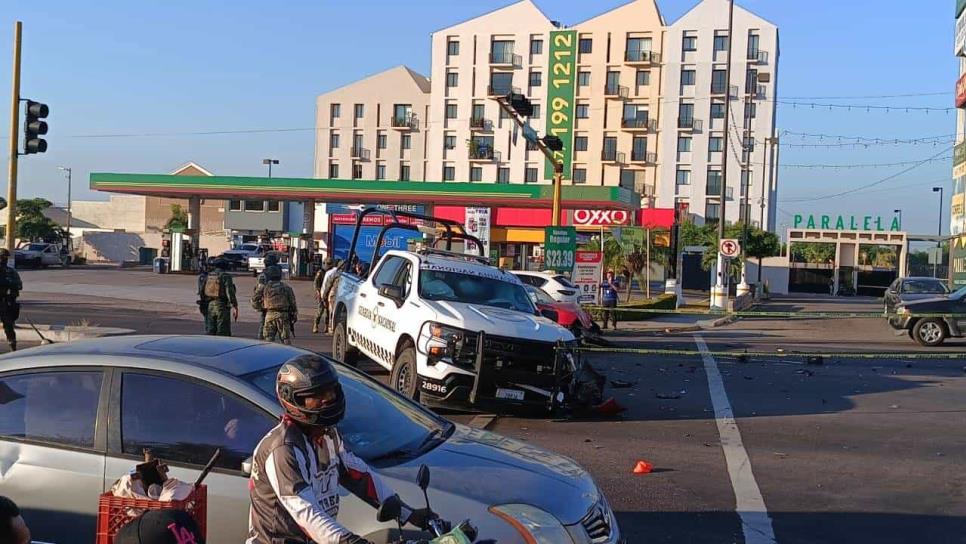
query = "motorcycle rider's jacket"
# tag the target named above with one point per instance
(294, 487)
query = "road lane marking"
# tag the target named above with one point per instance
(749, 504)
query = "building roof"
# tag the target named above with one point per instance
(738, 8)
(648, 4)
(421, 81)
(522, 6)
(191, 169)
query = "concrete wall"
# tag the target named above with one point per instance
(121, 212)
(118, 247)
(774, 273)
(257, 221)
(707, 19)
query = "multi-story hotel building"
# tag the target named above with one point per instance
(648, 105)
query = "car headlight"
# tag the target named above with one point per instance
(534, 525)
(443, 341)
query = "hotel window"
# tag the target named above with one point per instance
(689, 43)
(452, 79)
(359, 111)
(449, 141)
(716, 144)
(381, 141)
(583, 79)
(333, 171)
(687, 77)
(452, 48)
(712, 210)
(380, 171)
(717, 110)
(536, 79)
(580, 143)
(356, 171)
(530, 175)
(407, 141)
(683, 177)
(503, 175)
(580, 176)
(583, 111)
(643, 78)
(234, 205)
(536, 112)
(335, 111)
(720, 42)
(536, 46)
(684, 144)
(719, 80)
(451, 111)
(449, 173)
(586, 45)
(404, 172)
(334, 140)
(476, 174)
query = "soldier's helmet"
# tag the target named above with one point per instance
(273, 273)
(4, 253)
(328, 263)
(271, 259)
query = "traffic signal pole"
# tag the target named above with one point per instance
(557, 165)
(14, 133)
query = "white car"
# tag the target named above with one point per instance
(556, 285)
(41, 255)
(454, 329)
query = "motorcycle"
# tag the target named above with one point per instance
(442, 531)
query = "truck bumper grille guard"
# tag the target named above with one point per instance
(554, 386)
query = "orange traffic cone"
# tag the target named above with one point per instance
(643, 467)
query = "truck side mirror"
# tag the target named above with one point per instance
(392, 292)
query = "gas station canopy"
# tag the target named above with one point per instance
(357, 191)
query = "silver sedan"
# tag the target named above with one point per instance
(75, 417)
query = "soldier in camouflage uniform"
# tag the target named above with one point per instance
(270, 260)
(329, 292)
(220, 293)
(277, 300)
(10, 287)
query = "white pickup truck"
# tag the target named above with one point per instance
(452, 329)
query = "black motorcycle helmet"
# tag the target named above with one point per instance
(308, 375)
(271, 259)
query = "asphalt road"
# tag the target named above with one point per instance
(850, 451)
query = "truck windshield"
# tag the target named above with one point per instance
(459, 287)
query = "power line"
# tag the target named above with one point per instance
(866, 107)
(908, 95)
(873, 184)
(864, 139)
(866, 165)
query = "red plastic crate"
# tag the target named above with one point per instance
(113, 513)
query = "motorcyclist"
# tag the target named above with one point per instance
(299, 465)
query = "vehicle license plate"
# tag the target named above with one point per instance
(509, 394)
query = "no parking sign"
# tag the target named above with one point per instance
(729, 248)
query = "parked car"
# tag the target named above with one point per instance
(931, 321)
(238, 257)
(912, 289)
(76, 417)
(568, 314)
(556, 285)
(41, 255)
(256, 263)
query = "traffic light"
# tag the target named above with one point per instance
(553, 143)
(520, 104)
(34, 128)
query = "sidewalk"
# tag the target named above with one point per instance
(671, 323)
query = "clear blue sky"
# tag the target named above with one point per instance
(177, 65)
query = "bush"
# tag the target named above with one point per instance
(663, 302)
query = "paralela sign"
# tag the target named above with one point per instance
(847, 222)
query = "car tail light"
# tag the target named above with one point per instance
(566, 292)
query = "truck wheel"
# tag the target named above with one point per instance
(403, 377)
(341, 350)
(929, 332)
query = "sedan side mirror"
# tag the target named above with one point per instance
(246, 466)
(552, 315)
(392, 292)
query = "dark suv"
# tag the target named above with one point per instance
(905, 290)
(931, 321)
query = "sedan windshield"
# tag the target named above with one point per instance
(924, 287)
(378, 423)
(36, 247)
(459, 287)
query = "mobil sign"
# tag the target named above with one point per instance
(601, 218)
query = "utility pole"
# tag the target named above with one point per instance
(765, 183)
(65, 169)
(14, 133)
(719, 293)
(939, 243)
(269, 162)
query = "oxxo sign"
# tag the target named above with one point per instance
(601, 218)
(846, 222)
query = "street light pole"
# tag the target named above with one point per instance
(899, 213)
(269, 162)
(939, 244)
(719, 293)
(64, 169)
